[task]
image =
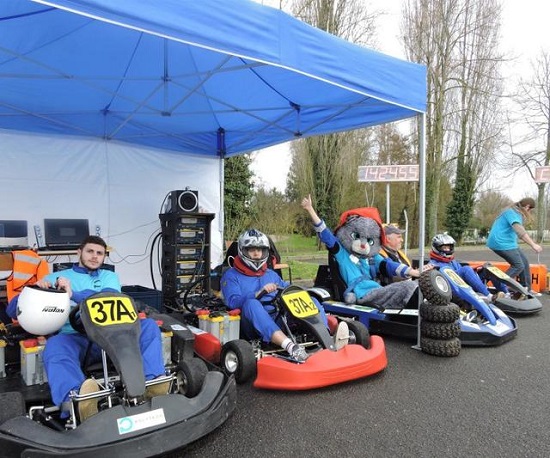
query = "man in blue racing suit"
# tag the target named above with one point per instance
(250, 280)
(64, 352)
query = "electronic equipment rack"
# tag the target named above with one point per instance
(186, 253)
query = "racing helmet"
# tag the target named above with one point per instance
(42, 311)
(253, 238)
(443, 239)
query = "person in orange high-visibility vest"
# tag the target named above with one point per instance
(27, 269)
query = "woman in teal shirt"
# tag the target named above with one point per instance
(504, 237)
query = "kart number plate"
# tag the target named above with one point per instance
(107, 311)
(300, 304)
(496, 271)
(457, 279)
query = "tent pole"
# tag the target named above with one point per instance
(422, 209)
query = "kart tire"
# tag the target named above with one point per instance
(438, 347)
(190, 376)
(439, 313)
(358, 334)
(238, 358)
(435, 287)
(443, 331)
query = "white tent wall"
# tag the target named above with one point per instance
(118, 187)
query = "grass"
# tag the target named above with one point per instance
(296, 250)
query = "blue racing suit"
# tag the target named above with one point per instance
(64, 352)
(239, 291)
(468, 274)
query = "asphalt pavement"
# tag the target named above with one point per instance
(486, 402)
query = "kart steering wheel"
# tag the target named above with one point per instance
(76, 321)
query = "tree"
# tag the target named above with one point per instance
(326, 166)
(238, 193)
(457, 40)
(533, 99)
(489, 205)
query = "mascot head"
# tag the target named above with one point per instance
(360, 231)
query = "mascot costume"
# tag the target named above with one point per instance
(355, 245)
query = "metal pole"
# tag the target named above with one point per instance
(422, 206)
(406, 231)
(388, 216)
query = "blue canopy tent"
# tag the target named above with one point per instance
(212, 78)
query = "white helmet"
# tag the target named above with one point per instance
(253, 238)
(441, 240)
(42, 311)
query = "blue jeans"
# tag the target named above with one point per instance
(519, 265)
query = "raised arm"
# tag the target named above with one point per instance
(308, 206)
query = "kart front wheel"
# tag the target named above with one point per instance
(190, 376)
(435, 287)
(358, 334)
(238, 358)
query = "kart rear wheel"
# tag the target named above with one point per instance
(439, 313)
(440, 330)
(358, 334)
(190, 376)
(437, 347)
(435, 287)
(238, 358)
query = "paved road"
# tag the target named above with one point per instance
(487, 402)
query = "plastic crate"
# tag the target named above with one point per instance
(149, 296)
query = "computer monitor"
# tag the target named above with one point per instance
(13, 234)
(65, 233)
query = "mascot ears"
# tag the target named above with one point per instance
(365, 212)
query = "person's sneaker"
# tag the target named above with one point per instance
(499, 295)
(298, 353)
(88, 407)
(341, 336)
(159, 389)
(534, 293)
(487, 299)
(471, 316)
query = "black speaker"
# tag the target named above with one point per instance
(185, 201)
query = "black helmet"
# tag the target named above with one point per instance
(443, 239)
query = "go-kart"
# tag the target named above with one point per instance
(128, 423)
(520, 302)
(269, 367)
(481, 323)
(403, 323)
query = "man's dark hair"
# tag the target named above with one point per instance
(95, 239)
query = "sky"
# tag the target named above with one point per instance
(524, 34)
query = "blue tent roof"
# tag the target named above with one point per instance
(194, 76)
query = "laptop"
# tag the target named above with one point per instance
(13, 235)
(64, 234)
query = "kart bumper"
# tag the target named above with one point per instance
(323, 368)
(486, 334)
(523, 307)
(175, 422)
